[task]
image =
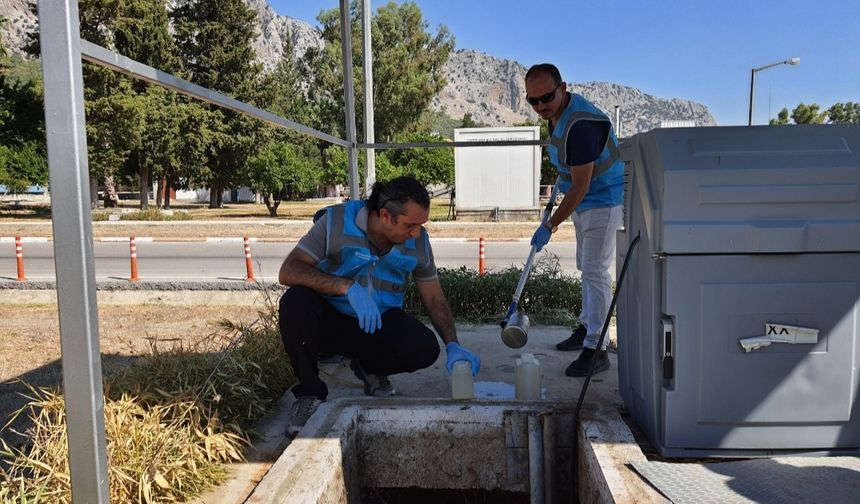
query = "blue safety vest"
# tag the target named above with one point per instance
(607, 181)
(348, 255)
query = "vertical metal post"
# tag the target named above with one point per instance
(369, 136)
(73, 248)
(536, 468)
(752, 95)
(618, 121)
(349, 98)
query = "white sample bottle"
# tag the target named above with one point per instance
(462, 381)
(528, 378)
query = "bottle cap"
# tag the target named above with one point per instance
(462, 365)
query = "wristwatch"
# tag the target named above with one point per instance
(552, 229)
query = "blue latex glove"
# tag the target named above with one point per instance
(458, 353)
(369, 318)
(541, 237)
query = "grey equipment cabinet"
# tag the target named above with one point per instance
(738, 321)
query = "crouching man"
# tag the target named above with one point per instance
(347, 279)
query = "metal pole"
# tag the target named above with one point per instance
(752, 95)
(618, 121)
(536, 468)
(73, 249)
(349, 99)
(369, 135)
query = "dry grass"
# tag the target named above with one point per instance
(176, 407)
(30, 346)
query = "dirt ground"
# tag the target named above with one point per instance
(30, 343)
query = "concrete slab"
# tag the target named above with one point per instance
(497, 375)
(606, 465)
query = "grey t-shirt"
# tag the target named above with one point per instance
(314, 244)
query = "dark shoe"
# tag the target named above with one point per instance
(579, 367)
(327, 358)
(301, 410)
(574, 342)
(374, 385)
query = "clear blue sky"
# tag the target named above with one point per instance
(702, 50)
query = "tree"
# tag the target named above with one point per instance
(115, 123)
(141, 33)
(407, 66)
(280, 172)
(334, 171)
(214, 39)
(781, 118)
(23, 165)
(807, 114)
(105, 93)
(468, 122)
(428, 165)
(23, 159)
(848, 113)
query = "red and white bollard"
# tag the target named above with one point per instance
(133, 250)
(248, 266)
(481, 268)
(19, 254)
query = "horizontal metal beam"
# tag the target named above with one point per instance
(97, 54)
(436, 145)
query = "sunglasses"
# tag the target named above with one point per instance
(535, 100)
(398, 199)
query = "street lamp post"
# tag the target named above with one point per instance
(792, 61)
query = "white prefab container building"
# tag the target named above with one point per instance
(498, 178)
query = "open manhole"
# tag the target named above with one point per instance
(392, 451)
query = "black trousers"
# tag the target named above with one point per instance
(310, 325)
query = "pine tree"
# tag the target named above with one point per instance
(214, 39)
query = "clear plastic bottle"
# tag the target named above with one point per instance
(462, 381)
(528, 378)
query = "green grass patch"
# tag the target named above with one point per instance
(549, 296)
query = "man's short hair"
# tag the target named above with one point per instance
(396, 193)
(545, 68)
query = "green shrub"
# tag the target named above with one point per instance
(549, 296)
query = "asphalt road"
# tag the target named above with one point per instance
(226, 260)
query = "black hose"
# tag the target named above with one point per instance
(575, 459)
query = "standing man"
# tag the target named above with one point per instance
(347, 279)
(584, 150)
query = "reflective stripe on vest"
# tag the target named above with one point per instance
(348, 255)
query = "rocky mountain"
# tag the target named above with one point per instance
(273, 30)
(493, 91)
(489, 88)
(20, 20)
